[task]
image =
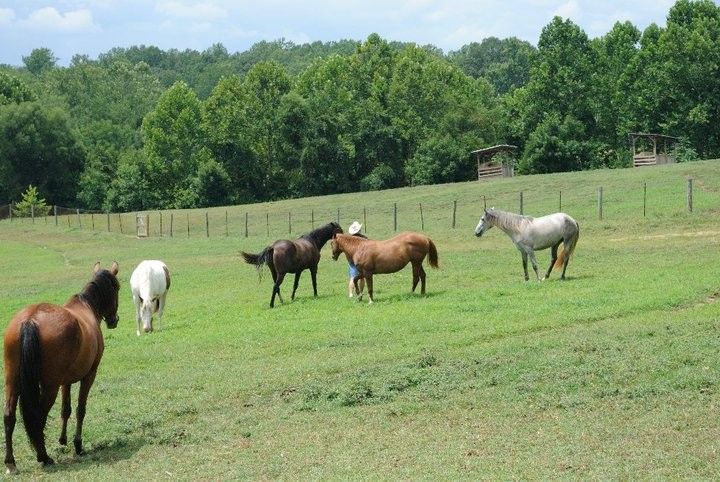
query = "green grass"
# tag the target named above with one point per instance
(613, 373)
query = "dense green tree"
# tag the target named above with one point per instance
(40, 60)
(39, 147)
(173, 140)
(505, 63)
(13, 90)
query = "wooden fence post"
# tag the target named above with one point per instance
(338, 216)
(92, 218)
(161, 228)
(365, 218)
(560, 202)
(78, 215)
(171, 224)
(119, 221)
(108, 218)
(644, 197)
(10, 212)
(312, 219)
(454, 211)
(267, 223)
(484, 202)
(521, 202)
(56, 219)
(600, 203)
(32, 212)
(246, 224)
(690, 195)
(187, 218)
(289, 222)
(422, 220)
(226, 224)
(395, 217)
(207, 225)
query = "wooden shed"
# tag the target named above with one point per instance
(487, 167)
(642, 142)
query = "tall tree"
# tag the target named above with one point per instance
(40, 60)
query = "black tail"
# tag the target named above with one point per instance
(30, 382)
(259, 260)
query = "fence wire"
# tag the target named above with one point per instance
(423, 209)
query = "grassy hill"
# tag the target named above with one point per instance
(610, 374)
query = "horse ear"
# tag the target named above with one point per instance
(114, 268)
(96, 268)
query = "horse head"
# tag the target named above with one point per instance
(108, 287)
(484, 223)
(336, 249)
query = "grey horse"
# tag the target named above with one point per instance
(530, 234)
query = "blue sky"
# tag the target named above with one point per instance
(91, 27)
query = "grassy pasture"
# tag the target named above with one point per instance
(614, 373)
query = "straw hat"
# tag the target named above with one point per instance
(355, 228)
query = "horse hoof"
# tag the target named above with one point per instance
(11, 469)
(62, 440)
(47, 462)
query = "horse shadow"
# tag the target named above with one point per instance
(404, 296)
(100, 453)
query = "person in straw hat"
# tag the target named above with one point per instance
(354, 229)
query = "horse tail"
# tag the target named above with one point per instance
(260, 259)
(30, 382)
(433, 255)
(561, 257)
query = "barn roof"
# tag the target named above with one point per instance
(494, 149)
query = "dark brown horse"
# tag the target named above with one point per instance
(287, 256)
(50, 346)
(389, 256)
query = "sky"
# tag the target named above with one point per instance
(91, 27)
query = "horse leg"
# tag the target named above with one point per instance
(85, 385)
(138, 318)
(276, 289)
(161, 309)
(422, 280)
(553, 258)
(369, 279)
(358, 283)
(65, 412)
(533, 261)
(313, 277)
(11, 399)
(416, 276)
(566, 247)
(48, 394)
(524, 263)
(273, 273)
(295, 284)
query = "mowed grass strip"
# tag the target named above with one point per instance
(610, 374)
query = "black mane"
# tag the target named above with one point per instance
(100, 293)
(321, 235)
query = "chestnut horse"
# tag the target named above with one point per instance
(48, 347)
(287, 256)
(379, 257)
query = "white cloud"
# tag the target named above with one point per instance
(7, 15)
(569, 9)
(195, 11)
(48, 18)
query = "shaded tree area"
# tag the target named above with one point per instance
(142, 128)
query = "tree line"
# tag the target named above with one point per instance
(142, 128)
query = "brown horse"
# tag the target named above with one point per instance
(389, 256)
(50, 346)
(287, 256)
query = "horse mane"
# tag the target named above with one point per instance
(99, 292)
(508, 221)
(321, 235)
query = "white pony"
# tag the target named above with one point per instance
(530, 234)
(150, 283)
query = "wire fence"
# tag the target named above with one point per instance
(429, 210)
